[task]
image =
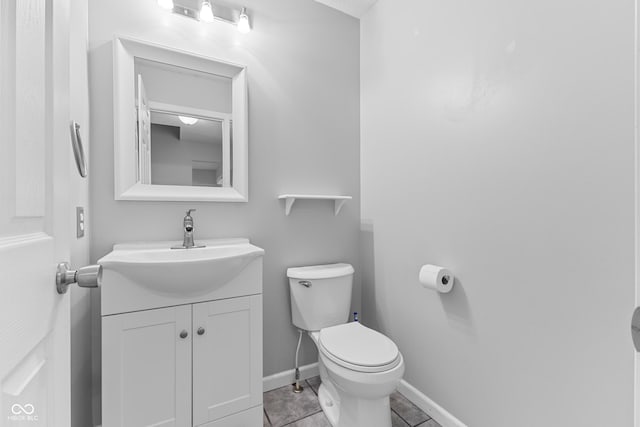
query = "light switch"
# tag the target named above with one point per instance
(79, 222)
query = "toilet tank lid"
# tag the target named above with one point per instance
(326, 271)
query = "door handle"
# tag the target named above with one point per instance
(635, 328)
(78, 149)
(86, 277)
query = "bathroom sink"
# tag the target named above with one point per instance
(167, 270)
(175, 274)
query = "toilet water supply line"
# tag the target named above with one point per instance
(297, 388)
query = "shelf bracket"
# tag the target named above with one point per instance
(338, 205)
(288, 203)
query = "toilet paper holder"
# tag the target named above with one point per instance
(436, 278)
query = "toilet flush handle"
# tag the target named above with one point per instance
(305, 283)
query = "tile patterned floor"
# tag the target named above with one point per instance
(282, 408)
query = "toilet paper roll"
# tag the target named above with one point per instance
(437, 278)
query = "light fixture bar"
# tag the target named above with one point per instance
(242, 24)
(186, 12)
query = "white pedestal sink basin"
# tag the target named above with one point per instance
(143, 275)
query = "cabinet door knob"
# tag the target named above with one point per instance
(184, 334)
(200, 330)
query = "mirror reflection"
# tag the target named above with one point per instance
(186, 151)
(184, 126)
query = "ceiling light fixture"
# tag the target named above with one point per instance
(188, 120)
(205, 14)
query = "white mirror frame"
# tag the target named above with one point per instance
(127, 187)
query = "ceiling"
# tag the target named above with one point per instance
(203, 131)
(355, 8)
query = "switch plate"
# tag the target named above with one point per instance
(79, 222)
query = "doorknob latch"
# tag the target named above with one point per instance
(86, 277)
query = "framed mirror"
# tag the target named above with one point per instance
(180, 125)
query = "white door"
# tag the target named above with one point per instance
(227, 357)
(146, 368)
(34, 170)
(635, 323)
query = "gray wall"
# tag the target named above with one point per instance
(509, 126)
(303, 75)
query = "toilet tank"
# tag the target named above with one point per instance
(320, 295)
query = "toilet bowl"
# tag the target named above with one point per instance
(359, 367)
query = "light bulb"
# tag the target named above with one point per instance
(188, 120)
(166, 4)
(243, 22)
(206, 13)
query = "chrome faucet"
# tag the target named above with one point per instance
(188, 242)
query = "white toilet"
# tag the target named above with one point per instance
(359, 367)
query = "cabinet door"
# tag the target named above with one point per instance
(146, 368)
(227, 357)
(249, 418)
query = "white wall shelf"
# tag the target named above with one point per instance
(291, 198)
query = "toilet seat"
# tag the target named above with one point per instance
(358, 348)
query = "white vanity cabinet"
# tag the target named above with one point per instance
(169, 366)
(189, 359)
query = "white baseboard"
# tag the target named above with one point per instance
(289, 377)
(435, 411)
